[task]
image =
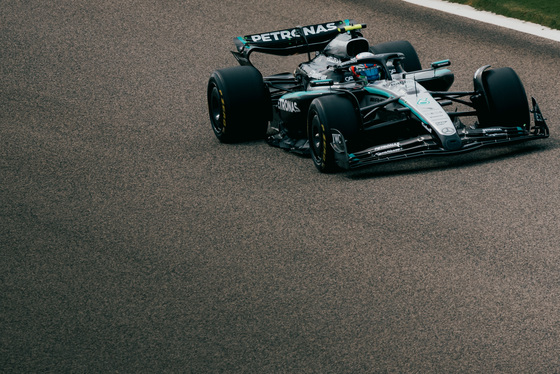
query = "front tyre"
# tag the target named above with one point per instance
(326, 114)
(238, 104)
(505, 101)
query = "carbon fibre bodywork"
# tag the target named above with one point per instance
(400, 114)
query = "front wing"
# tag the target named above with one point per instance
(425, 145)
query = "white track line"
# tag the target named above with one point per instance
(488, 17)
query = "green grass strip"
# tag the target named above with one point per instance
(542, 12)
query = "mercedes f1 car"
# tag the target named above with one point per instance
(352, 105)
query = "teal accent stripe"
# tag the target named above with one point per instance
(377, 91)
(420, 117)
(293, 95)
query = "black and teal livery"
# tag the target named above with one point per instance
(352, 104)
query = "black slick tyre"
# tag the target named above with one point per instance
(505, 101)
(411, 61)
(238, 104)
(326, 114)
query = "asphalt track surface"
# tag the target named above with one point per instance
(133, 241)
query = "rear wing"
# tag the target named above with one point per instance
(301, 39)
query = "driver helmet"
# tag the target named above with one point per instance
(366, 72)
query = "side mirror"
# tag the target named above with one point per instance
(440, 64)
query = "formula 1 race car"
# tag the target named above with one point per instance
(352, 105)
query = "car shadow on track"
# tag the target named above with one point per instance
(440, 163)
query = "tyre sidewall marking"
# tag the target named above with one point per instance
(324, 139)
(223, 110)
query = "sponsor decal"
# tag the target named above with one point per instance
(334, 60)
(386, 146)
(288, 106)
(447, 130)
(275, 36)
(396, 83)
(379, 154)
(492, 129)
(423, 101)
(316, 75)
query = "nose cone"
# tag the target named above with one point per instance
(452, 142)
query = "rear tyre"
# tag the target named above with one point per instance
(411, 61)
(505, 101)
(238, 104)
(326, 114)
